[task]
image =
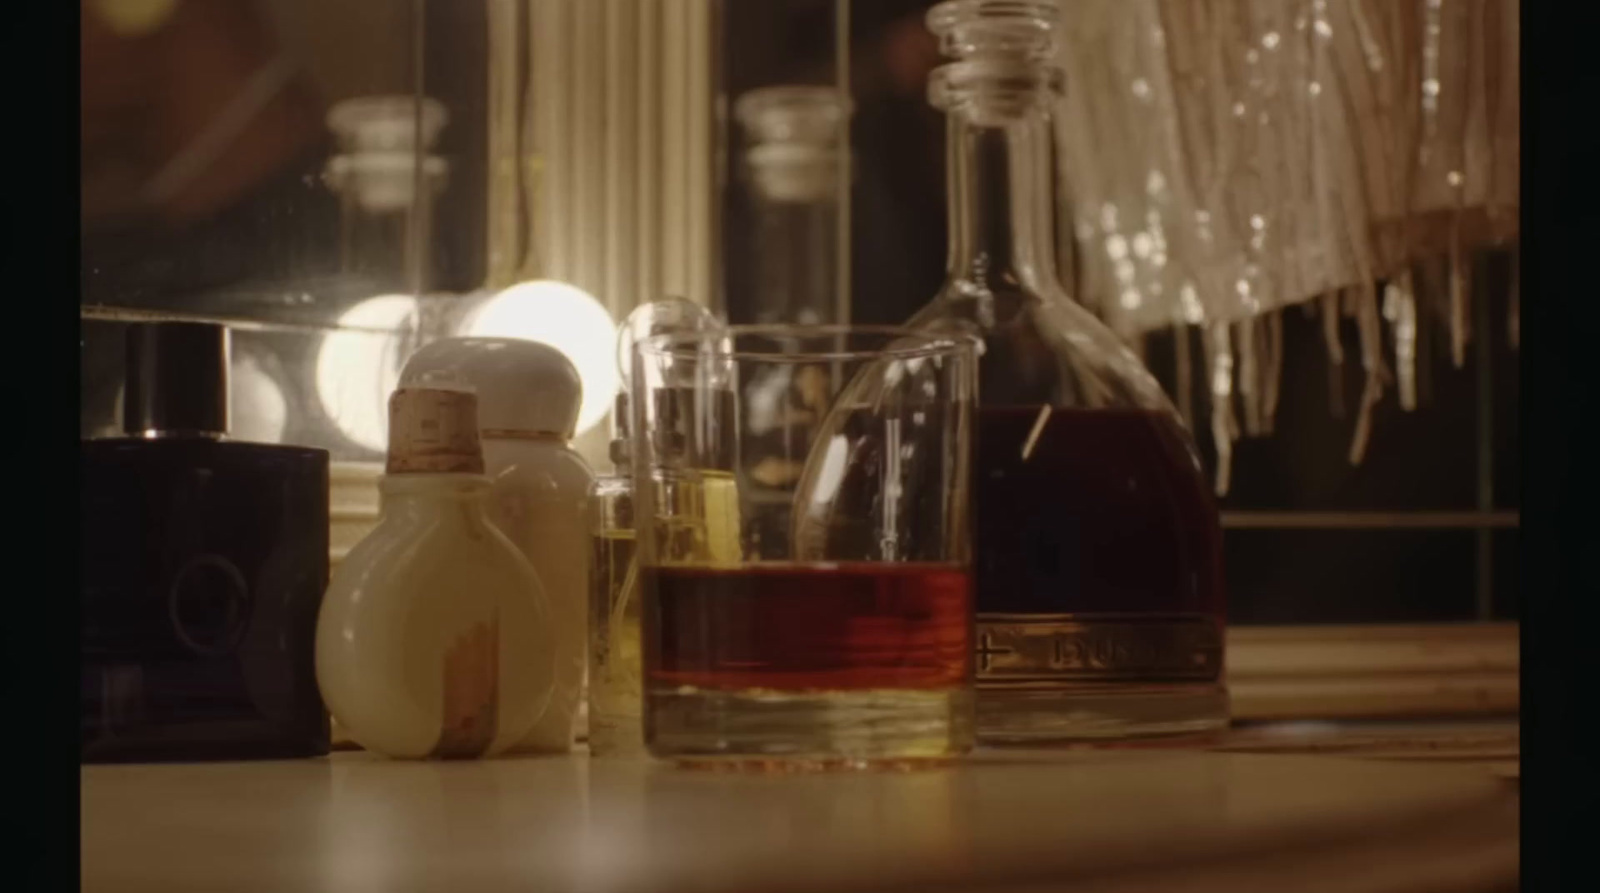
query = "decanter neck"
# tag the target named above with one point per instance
(997, 94)
(1001, 196)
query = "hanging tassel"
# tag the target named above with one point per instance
(1330, 337)
(1400, 309)
(1371, 330)
(1273, 370)
(1219, 360)
(1249, 377)
(1426, 350)
(1185, 376)
(1514, 303)
(1460, 302)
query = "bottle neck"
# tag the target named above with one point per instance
(1001, 196)
(419, 493)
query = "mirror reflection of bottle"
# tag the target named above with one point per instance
(386, 222)
(794, 162)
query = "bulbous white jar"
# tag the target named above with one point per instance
(433, 638)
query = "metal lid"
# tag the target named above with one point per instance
(177, 379)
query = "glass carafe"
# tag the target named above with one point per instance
(1097, 543)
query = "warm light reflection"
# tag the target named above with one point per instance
(356, 370)
(566, 318)
(259, 412)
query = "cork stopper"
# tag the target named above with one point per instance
(434, 431)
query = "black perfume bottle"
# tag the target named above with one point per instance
(202, 567)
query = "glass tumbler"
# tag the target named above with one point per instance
(820, 612)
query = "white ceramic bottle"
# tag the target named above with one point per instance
(433, 638)
(528, 400)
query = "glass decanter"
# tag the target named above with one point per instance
(1100, 605)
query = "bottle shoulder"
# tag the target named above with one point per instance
(557, 470)
(416, 546)
(1005, 304)
(201, 448)
(1043, 349)
(120, 469)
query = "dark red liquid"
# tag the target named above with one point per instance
(806, 626)
(1104, 510)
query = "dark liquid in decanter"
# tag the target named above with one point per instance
(1092, 511)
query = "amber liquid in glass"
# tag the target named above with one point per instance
(796, 627)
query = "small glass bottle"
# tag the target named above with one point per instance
(433, 640)
(616, 670)
(1097, 542)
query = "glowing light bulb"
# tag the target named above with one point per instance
(357, 370)
(569, 320)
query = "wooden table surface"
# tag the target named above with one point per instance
(1014, 821)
